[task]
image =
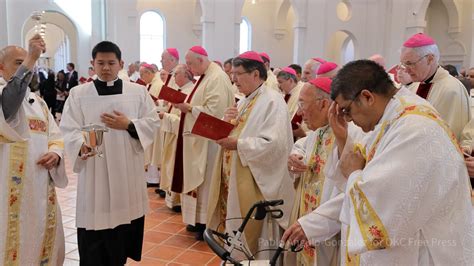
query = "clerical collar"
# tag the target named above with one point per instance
(431, 78)
(108, 88)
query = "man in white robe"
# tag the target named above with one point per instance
(308, 162)
(291, 88)
(111, 194)
(251, 163)
(169, 128)
(169, 61)
(31, 166)
(420, 56)
(407, 196)
(153, 85)
(195, 156)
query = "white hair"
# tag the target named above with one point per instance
(313, 64)
(426, 50)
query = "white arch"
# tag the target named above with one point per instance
(150, 50)
(453, 13)
(60, 20)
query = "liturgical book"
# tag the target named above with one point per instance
(171, 95)
(211, 127)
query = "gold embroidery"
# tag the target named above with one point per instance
(312, 185)
(371, 227)
(37, 125)
(58, 144)
(16, 174)
(50, 230)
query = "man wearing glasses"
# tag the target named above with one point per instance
(407, 197)
(419, 57)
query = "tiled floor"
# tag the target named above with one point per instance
(166, 240)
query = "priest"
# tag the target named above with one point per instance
(111, 193)
(308, 162)
(310, 68)
(291, 88)
(420, 57)
(251, 164)
(396, 210)
(169, 128)
(31, 165)
(194, 157)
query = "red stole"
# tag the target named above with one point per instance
(424, 89)
(178, 172)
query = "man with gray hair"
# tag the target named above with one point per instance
(420, 59)
(310, 69)
(188, 171)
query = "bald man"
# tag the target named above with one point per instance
(31, 148)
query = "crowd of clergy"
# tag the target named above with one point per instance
(372, 164)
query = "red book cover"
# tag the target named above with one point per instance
(170, 95)
(297, 119)
(211, 127)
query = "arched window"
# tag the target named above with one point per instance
(348, 53)
(152, 37)
(245, 36)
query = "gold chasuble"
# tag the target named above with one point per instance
(248, 190)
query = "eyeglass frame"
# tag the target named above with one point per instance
(411, 65)
(346, 111)
(301, 103)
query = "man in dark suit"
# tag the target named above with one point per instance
(72, 77)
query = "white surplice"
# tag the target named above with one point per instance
(450, 98)
(111, 190)
(272, 82)
(263, 146)
(410, 205)
(28, 204)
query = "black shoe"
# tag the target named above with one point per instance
(160, 192)
(176, 209)
(200, 235)
(152, 184)
(191, 228)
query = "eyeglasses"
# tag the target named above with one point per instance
(346, 111)
(410, 64)
(239, 73)
(301, 103)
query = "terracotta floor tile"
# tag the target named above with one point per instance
(201, 246)
(150, 223)
(169, 227)
(176, 219)
(147, 246)
(184, 232)
(159, 216)
(194, 258)
(180, 241)
(166, 241)
(156, 237)
(164, 252)
(216, 261)
(148, 262)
